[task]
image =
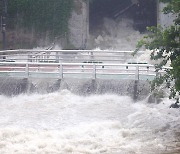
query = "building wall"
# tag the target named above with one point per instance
(164, 20)
(79, 23)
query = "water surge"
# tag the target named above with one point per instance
(62, 122)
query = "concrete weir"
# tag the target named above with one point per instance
(137, 90)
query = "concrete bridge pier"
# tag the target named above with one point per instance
(79, 25)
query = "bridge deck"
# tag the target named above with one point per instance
(96, 64)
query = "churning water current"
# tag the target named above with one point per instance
(63, 123)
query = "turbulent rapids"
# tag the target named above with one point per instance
(93, 116)
(115, 35)
(84, 117)
(62, 122)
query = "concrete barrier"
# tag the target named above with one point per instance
(137, 90)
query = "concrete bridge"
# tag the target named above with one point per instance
(59, 64)
(82, 72)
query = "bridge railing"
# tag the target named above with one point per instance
(64, 56)
(78, 70)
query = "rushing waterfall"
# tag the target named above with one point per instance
(90, 116)
(62, 122)
(84, 117)
(115, 35)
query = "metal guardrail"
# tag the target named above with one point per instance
(73, 63)
(63, 56)
(77, 70)
(20, 51)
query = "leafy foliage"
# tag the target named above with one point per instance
(40, 15)
(165, 46)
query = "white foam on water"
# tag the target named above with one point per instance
(119, 35)
(115, 35)
(62, 122)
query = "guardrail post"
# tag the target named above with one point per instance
(137, 73)
(29, 58)
(125, 56)
(57, 57)
(136, 83)
(94, 71)
(27, 70)
(61, 71)
(92, 56)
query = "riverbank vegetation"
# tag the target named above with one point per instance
(165, 46)
(40, 15)
(30, 22)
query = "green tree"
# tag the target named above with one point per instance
(165, 46)
(42, 16)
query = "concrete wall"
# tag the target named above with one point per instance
(79, 25)
(164, 20)
(15, 86)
